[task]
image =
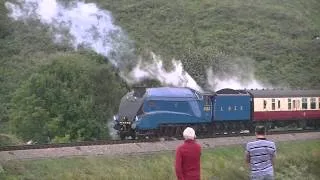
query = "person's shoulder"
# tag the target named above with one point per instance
(198, 144)
(269, 141)
(272, 143)
(250, 143)
(180, 146)
(253, 143)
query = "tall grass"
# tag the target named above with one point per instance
(9, 139)
(295, 161)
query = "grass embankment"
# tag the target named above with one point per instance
(295, 160)
(6, 138)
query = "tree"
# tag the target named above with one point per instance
(69, 99)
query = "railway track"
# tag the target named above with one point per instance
(110, 142)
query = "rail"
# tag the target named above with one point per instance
(110, 142)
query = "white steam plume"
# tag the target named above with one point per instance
(234, 82)
(155, 70)
(94, 28)
(88, 25)
(112, 132)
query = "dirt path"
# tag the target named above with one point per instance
(141, 148)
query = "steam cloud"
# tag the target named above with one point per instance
(93, 28)
(88, 25)
(155, 70)
(233, 82)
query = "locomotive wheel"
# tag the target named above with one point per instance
(122, 136)
(133, 135)
(141, 137)
(179, 131)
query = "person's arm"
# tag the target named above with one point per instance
(247, 158)
(178, 165)
(247, 155)
(273, 155)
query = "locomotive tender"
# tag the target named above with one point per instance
(167, 111)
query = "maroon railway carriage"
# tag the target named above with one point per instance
(301, 106)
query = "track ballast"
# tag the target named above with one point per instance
(110, 142)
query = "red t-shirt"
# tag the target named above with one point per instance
(187, 164)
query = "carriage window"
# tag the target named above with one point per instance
(241, 108)
(304, 103)
(221, 108)
(294, 104)
(313, 103)
(278, 104)
(289, 103)
(319, 103)
(273, 104)
(229, 108)
(235, 108)
(264, 104)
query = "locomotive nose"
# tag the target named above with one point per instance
(124, 120)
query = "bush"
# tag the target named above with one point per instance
(69, 99)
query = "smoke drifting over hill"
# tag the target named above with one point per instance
(233, 82)
(93, 28)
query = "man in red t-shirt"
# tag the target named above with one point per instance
(187, 163)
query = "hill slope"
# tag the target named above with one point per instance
(280, 36)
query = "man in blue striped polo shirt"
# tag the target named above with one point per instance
(260, 156)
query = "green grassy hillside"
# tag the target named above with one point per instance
(279, 36)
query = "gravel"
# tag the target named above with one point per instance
(141, 148)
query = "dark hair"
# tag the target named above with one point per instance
(260, 130)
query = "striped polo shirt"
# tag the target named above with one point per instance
(260, 153)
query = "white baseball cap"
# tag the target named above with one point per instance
(189, 133)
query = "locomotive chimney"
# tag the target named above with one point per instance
(139, 91)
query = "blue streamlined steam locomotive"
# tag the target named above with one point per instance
(167, 111)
